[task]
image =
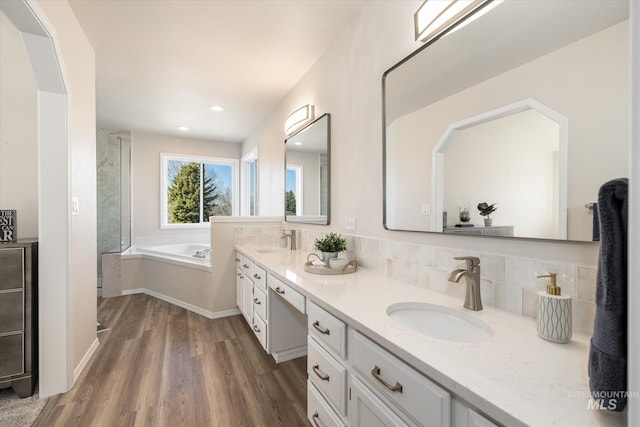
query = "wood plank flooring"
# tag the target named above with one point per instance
(160, 365)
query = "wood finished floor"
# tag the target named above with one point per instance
(160, 365)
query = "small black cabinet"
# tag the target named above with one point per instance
(19, 316)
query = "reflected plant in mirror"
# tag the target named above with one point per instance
(492, 111)
(307, 173)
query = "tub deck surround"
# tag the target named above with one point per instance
(170, 254)
(516, 377)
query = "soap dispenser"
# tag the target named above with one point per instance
(554, 312)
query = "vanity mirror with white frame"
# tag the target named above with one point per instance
(526, 107)
(307, 173)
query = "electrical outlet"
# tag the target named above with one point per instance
(426, 209)
(349, 223)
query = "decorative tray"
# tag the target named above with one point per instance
(350, 267)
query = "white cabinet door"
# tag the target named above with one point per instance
(366, 410)
(247, 299)
(239, 278)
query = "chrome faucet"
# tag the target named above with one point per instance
(291, 236)
(472, 299)
(201, 253)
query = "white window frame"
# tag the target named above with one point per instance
(299, 186)
(164, 207)
(245, 181)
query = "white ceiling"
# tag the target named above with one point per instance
(162, 63)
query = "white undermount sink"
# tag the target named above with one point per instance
(270, 250)
(440, 322)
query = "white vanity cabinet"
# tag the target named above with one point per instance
(410, 395)
(327, 367)
(251, 298)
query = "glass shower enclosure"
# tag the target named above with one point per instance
(113, 163)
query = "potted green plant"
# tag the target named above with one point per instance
(330, 245)
(486, 210)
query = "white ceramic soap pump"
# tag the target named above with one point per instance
(554, 312)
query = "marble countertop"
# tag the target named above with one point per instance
(516, 377)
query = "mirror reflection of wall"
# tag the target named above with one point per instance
(579, 69)
(307, 173)
(523, 147)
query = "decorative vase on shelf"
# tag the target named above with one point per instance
(465, 216)
(488, 222)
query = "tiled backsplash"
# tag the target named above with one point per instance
(508, 282)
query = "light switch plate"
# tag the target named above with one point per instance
(349, 223)
(426, 209)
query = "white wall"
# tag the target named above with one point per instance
(523, 145)
(18, 131)
(145, 167)
(77, 61)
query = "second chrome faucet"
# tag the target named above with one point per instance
(471, 273)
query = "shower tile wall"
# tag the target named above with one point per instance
(507, 282)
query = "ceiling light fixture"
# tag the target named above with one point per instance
(183, 128)
(298, 119)
(434, 17)
(216, 108)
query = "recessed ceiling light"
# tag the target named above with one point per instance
(216, 108)
(183, 128)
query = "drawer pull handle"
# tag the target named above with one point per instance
(323, 331)
(256, 301)
(257, 276)
(280, 291)
(316, 418)
(237, 259)
(255, 328)
(319, 373)
(245, 265)
(376, 374)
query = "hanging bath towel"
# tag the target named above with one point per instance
(608, 352)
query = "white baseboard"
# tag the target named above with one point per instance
(190, 307)
(85, 360)
(294, 353)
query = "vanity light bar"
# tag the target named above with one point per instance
(434, 17)
(298, 119)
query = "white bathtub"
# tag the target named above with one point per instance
(176, 253)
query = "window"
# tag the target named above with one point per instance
(293, 196)
(249, 182)
(195, 188)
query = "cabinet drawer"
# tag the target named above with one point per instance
(294, 298)
(327, 329)
(12, 311)
(328, 374)
(367, 410)
(11, 355)
(260, 302)
(477, 420)
(423, 400)
(245, 264)
(319, 412)
(260, 329)
(259, 276)
(11, 268)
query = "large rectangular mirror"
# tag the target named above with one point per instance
(307, 173)
(525, 108)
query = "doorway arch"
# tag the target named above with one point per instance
(55, 364)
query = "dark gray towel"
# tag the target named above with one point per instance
(608, 352)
